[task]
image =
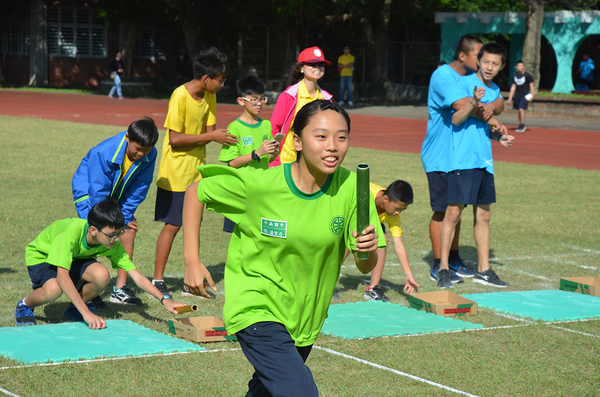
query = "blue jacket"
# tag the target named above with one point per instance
(99, 172)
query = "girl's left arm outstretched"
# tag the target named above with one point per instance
(366, 243)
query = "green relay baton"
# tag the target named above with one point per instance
(362, 202)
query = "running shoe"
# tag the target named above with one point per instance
(375, 294)
(24, 314)
(444, 279)
(457, 266)
(489, 277)
(454, 278)
(124, 296)
(74, 314)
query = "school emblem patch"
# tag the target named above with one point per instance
(272, 228)
(337, 225)
(247, 140)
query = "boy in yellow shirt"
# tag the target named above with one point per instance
(390, 203)
(190, 127)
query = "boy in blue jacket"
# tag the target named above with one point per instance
(121, 167)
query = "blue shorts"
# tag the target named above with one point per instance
(278, 363)
(169, 207)
(228, 225)
(43, 272)
(438, 190)
(475, 187)
(520, 103)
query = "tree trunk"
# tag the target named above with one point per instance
(533, 40)
(130, 49)
(377, 42)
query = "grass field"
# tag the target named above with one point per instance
(544, 226)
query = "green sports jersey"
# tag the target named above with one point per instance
(250, 137)
(286, 251)
(65, 240)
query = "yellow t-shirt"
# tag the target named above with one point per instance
(127, 163)
(186, 115)
(346, 59)
(288, 152)
(392, 221)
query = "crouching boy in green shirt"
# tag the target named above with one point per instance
(64, 255)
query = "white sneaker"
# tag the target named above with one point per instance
(350, 103)
(341, 103)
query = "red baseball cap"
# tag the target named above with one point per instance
(312, 55)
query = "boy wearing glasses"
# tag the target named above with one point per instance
(256, 147)
(121, 167)
(62, 258)
(190, 125)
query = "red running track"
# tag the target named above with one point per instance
(544, 146)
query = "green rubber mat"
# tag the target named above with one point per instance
(548, 305)
(375, 319)
(75, 341)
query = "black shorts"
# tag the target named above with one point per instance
(438, 190)
(520, 103)
(475, 187)
(169, 207)
(43, 272)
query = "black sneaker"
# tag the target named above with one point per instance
(443, 279)
(24, 314)
(96, 303)
(489, 277)
(124, 296)
(162, 287)
(187, 292)
(433, 274)
(74, 314)
(375, 294)
(521, 128)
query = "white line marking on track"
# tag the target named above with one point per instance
(119, 358)
(395, 371)
(572, 330)
(7, 392)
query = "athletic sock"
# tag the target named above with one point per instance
(436, 262)
(453, 254)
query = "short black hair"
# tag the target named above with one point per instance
(519, 61)
(210, 62)
(465, 44)
(400, 191)
(106, 213)
(143, 131)
(250, 85)
(493, 48)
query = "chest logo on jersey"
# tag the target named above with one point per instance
(247, 140)
(273, 228)
(337, 225)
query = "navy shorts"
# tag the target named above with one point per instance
(278, 363)
(228, 225)
(169, 207)
(520, 103)
(438, 190)
(475, 187)
(43, 272)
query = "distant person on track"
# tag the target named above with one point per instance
(586, 69)
(521, 93)
(346, 68)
